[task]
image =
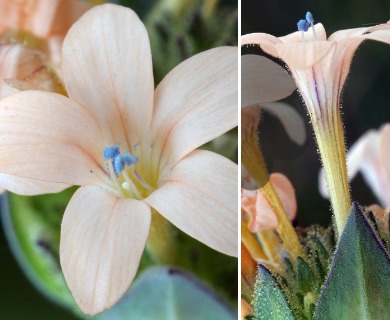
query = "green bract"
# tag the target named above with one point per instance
(358, 283)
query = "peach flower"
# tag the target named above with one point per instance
(131, 149)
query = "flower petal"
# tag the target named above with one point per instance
(286, 193)
(29, 187)
(195, 103)
(107, 67)
(290, 118)
(40, 17)
(266, 41)
(102, 241)
(200, 198)
(261, 214)
(302, 55)
(263, 80)
(347, 34)
(45, 136)
(381, 35)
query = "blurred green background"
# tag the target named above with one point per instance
(175, 36)
(365, 99)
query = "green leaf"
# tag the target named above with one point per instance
(358, 284)
(169, 294)
(33, 234)
(269, 302)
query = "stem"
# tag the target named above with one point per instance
(331, 145)
(271, 245)
(252, 158)
(161, 243)
(250, 242)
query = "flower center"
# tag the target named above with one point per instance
(122, 168)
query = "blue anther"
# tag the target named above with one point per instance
(119, 164)
(129, 159)
(111, 152)
(309, 17)
(303, 25)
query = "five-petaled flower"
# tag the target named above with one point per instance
(130, 148)
(320, 66)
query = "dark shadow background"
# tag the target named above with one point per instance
(365, 101)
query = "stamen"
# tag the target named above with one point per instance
(114, 175)
(303, 25)
(129, 159)
(131, 185)
(111, 152)
(142, 181)
(309, 18)
(119, 164)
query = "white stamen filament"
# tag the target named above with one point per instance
(142, 181)
(114, 177)
(131, 186)
(314, 31)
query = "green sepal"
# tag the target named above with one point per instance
(305, 277)
(358, 283)
(269, 301)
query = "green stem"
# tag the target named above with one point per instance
(330, 141)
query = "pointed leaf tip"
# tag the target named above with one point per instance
(269, 301)
(358, 284)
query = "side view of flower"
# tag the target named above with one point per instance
(320, 66)
(313, 272)
(131, 148)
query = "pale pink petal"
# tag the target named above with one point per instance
(290, 118)
(107, 67)
(200, 197)
(266, 41)
(263, 80)
(47, 137)
(286, 193)
(381, 35)
(195, 103)
(29, 187)
(102, 241)
(2, 190)
(302, 55)
(261, 217)
(64, 14)
(347, 34)
(358, 32)
(41, 17)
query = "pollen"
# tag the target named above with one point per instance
(111, 152)
(309, 17)
(303, 25)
